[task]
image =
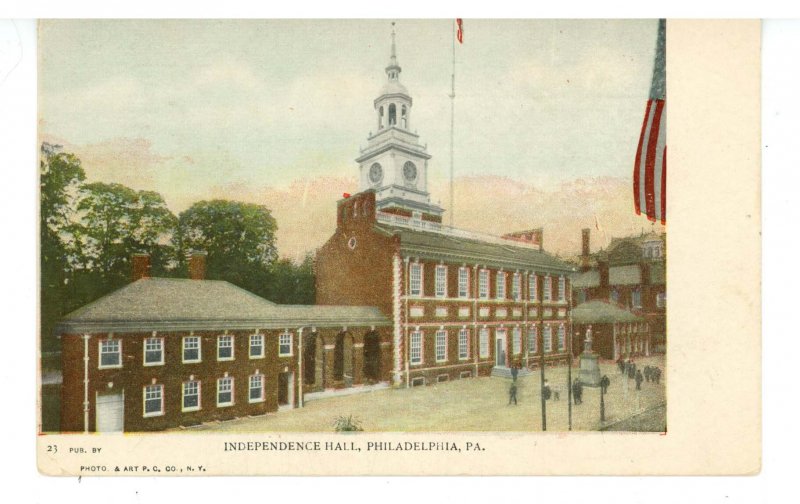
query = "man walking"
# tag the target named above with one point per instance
(577, 391)
(512, 393)
(605, 381)
(514, 372)
(639, 379)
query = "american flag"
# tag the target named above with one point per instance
(650, 169)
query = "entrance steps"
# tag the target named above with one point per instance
(357, 389)
(505, 372)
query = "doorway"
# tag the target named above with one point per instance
(285, 391)
(500, 348)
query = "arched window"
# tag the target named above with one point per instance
(403, 117)
(380, 118)
(392, 115)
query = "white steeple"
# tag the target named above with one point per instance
(394, 163)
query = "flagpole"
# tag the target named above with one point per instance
(452, 120)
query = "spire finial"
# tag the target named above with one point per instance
(393, 60)
(393, 70)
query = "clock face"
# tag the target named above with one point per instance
(375, 173)
(410, 171)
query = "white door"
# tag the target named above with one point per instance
(500, 348)
(110, 413)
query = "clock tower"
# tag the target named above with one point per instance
(394, 164)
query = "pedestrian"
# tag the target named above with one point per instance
(621, 365)
(632, 371)
(657, 376)
(512, 393)
(648, 372)
(577, 391)
(514, 371)
(546, 391)
(639, 379)
(605, 381)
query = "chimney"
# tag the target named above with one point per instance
(197, 266)
(538, 237)
(140, 266)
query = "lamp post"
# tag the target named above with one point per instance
(602, 402)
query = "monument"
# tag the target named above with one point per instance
(590, 368)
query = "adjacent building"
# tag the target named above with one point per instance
(629, 276)
(165, 352)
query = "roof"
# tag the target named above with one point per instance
(436, 246)
(625, 275)
(152, 304)
(589, 278)
(602, 312)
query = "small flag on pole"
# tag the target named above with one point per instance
(650, 169)
(460, 32)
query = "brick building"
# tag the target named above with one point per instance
(161, 353)
(630, 275)
(462, 304)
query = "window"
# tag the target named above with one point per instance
(463, 344)
(533, 339)
(636, 298)
(484, 342)
(501, 285)
(548, 339)
(256, 388)
(153, 351)
(256, 346)
(515, 290)
(441, 345)
(285, 344)
(562, 289)
(441, 280)
(225, 348)
(533, 293)
(416, 279)
(548, 288)
(516, 341)
(661, 299)
(615, 296)
(153, 400)
(582, 296)
(562, 338)
(191, 349)
(225, 391)
(191, 396)
(463, 282)
(110, 353)
(416, 347)
(483, 284)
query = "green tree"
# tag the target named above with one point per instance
(60, 176)
(115, 222)
(290, 283)
(238, 237)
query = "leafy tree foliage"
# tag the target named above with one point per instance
(239, 239)
(60, 175)
(114, 223)
(290, 283)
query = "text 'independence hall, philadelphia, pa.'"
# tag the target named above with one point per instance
(352, 446)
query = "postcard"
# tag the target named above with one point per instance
(357, 247)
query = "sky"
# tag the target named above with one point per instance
(547, 114)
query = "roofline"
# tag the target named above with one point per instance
(488, 260)
(138, 326)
